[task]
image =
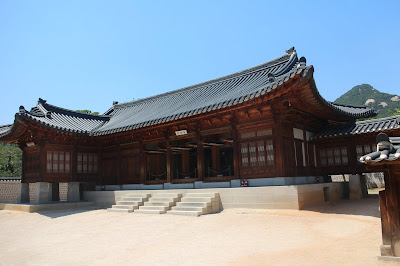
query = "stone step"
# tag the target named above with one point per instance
(149, 211)
(130, 207)
(194, 204)
(119, 210)
(196, 199)
(187, 213)
(147, 195)
(159, 203)
(160, 208)
(203, 210)
(167, 195)
(163, 199)
(201, 195)
(134, 199)
(136, 203)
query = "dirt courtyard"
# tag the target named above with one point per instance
(341, 233)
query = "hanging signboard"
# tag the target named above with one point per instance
(181, 132)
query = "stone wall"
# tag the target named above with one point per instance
(9, 191)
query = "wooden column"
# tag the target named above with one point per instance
(200, 159)
(185, 162)
(74, 164)
(392, 203)
(43, 162)
(170, 174)
(23, 164)
(215, 159)
(281, 171)
(306, 153)
(119, 164)
(236, 151)
(386, 238)
(143, 163)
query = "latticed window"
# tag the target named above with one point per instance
(329, 155)
(269, 145)
(338, 160)
(261, 153)
(322, 155)
(87, 163)
(345, 157)
(245, 157)
(58, 162)
(334, 156)
(258, 153)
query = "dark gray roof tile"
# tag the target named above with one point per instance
(361, 127)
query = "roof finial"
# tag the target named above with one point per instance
(302, 61)
(22, 109)
(42, 101)
(291, 50)
(115, 102)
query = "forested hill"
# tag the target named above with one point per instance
(365, 94)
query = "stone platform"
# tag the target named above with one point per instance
(295, 197)
(51, 206)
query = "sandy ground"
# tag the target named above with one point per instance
(341, 233)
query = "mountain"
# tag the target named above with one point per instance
(365, 94)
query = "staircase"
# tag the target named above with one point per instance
(130, 203)
(196, 204)
(160, 203)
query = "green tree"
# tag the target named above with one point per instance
(88, 112)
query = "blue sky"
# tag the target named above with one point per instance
(87, 54)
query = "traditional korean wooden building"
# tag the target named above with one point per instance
(262, 122)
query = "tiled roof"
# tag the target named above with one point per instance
(361, 127)
(389, 151)
(204, 97)
(5, 129)
(63, 119)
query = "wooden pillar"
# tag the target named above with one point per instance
(200, 159)
(185, 162)
(74, 166)
(170, 174)
(23, 165)
(236, 151)
(215, 159)
(119, 164)
(386, 239)
(392, 203)
(143, 163)
(281, 170)
(43, 162)
(306, 153)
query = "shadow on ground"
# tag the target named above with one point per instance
(63, 213)
(365, 207)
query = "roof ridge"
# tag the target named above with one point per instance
(290, 55)
(49, 107)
